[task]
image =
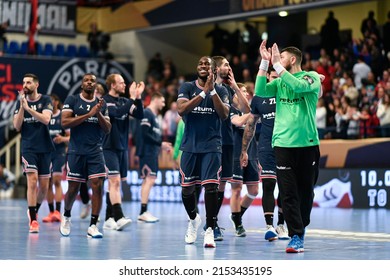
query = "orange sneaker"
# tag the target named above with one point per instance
(56, 216)
(48, 218)
(34, 227)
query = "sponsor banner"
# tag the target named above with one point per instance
(341, 188)
(54, 17)
(59, 76)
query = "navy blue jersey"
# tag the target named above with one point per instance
(86, 138)
(238, 133)
(227, 129)
(149, 137)
(202, 132)
(119, 110)
(55, 128)
(35, 135)
(265, 108)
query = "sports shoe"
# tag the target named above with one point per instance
(56, 217)
(110, 224)
(85, 210)
(295, 245)
(123, 223)
(209, 241)
(146, 217)
(282, 232)
(192, 229)
(48, 218)
(218, 233)
(93, 232)
(270, 233)
(34, 227)
(240, 231)
(65, 226)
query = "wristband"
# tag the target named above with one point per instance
(264, 65)
(213, 92)
(279, 68)
(202, 94)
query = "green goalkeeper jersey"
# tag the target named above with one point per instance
(296, 97)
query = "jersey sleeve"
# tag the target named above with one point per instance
(17, 108)
(47, 105)
(310, 82)
(264, 89)
(184, 91)
(68, 104)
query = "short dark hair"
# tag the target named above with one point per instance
(33, 76)
(295, 52)
(157, 94)
(218, 59)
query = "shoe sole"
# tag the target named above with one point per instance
(95, 237)
(218, 239)
(241, 235)
(123, 226)
(292, 250)
(283, 238)
(65, 235)
(210, 246)
(148, 222)
(34, 231)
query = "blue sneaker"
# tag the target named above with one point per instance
(270, 233)
(295, 245)
(218, 232)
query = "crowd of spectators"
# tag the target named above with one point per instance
(356, 92)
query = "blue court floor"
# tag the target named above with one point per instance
(334, 234)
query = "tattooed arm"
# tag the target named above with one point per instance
(249, 131)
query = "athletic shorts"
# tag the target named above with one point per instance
(116, 162)
(148, 166)
(37, 162)
(246, 175)
(200, 168)
(268, 164)
(80, 167)
(57, 163)
(227, 163)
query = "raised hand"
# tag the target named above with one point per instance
(209, 85)
(132, 90)
(140, 89)
(275, 54)
(264, 52)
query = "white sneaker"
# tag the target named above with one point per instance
(65, 226)
(85, 210)
(282, 232)
(93, 232)
(209, 238)
(146, 217)
(192, 229)
(270, 233)
(110, 224)
(123, 223)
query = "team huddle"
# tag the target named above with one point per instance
(90, 136)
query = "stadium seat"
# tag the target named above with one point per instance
(59, 50)
(83, 51)
(13, 47)
(71, 51)
(24, 48)
(48, 50)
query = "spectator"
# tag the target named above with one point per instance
(94, 40)
(386, 37)
(3, 38)
(360, 70)
(330, 38)
(170, 121)
(219, 39)
(321, 118)
(368, 24)
(383, 114)
(7, 182)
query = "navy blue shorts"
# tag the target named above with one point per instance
(117, 163)
(268, 164)
(200, 168)
(246, 175)
(148, 166)
(57, 163)
(227, 163)
(37, 162)
(80, 167)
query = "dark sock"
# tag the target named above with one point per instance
(58, 206)
(236, 217)
(67, 213)
(221, 196)
(117, 211)
(144, 208)
(109, 211)
(211, 203)
(269, 219)
(51, 207)
(280, 218)
(94, 219)
(32, 212)
(243, 209)
(189, 202)
(38, 206)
